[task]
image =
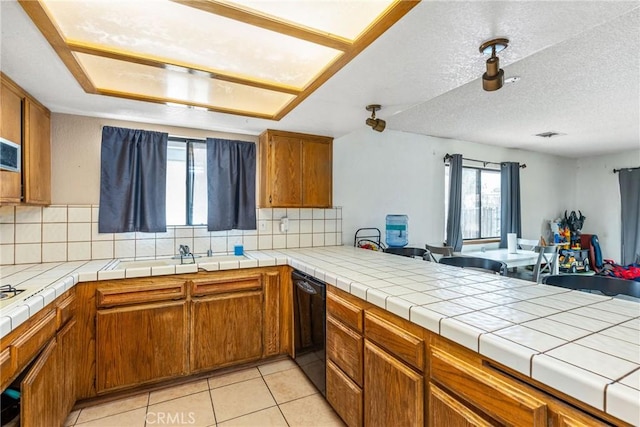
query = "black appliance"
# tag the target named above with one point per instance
(309, 313)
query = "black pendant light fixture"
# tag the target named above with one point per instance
(493, 79)
(376, 124)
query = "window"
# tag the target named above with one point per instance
(186, 182)
(480, 202)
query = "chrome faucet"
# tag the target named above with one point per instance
(186, 252)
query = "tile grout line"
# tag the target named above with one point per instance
(274, 398)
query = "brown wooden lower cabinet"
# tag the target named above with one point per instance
(226, 329)
(40, 398)
(393, 393)
(152, 329)
(344, 396)
(344, 347)
(67, 350)
(412, 377)
(447, 411)
(140, 344)
(489, 394)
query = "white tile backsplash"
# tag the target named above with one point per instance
(28, 233)
(54, 214)
(101, 250)
(28, 253)
(31, 234)
(54, 252)
(79, 251)
(7, 215)
(7, 235)
(125, 248)
(28, 214)
(79, 213)
(54, 232)
(79, 232)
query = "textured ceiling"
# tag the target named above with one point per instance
(579, 64)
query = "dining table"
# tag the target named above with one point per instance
(519, 258)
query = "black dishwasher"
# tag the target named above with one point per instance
(309, 327)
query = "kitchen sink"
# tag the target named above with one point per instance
(176, 261)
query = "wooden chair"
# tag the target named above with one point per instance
(609, 286)
(476, 263)
(409, 252)
(438, 250)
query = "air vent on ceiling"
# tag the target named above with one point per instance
(549, 134)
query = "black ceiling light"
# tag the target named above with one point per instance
(493, 79)
(376, 124)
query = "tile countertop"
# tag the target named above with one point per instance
(584, 345)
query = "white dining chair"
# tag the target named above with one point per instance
(546, 263)
(527, 244)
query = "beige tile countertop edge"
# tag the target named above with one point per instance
(447, 300)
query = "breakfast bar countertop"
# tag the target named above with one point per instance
(584, 345)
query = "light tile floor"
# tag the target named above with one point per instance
(272, 394)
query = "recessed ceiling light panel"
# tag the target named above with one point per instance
(262, 59)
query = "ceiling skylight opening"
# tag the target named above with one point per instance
(245, 57)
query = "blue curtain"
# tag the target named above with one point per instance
(629, 180)
(133, 181)
(510, 215)
(231, 185)
(454, 215)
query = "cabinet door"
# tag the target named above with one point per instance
(67, 361)
(37, 154)
(446, 411)
(226, 329)
(10, 129)
(140, 344)
(394, 393)
(344, 396)
(317, 177)
(285, 171)
(41, 391)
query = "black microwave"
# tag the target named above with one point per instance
(9, 155)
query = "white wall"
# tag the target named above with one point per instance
(598, 197)
(375, 174)
(75, 153)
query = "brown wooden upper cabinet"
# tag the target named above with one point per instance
(10, 129)
(26, 122)
(295, 170)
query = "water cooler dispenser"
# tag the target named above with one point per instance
(397, 231)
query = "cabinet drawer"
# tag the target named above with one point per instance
(344, 396)
(491, 394)
(26, 346)
(65, 310)
(404, 345)
(446, 410)
(137, 294)
(348, 313)
(344, 348)
(225, 285)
